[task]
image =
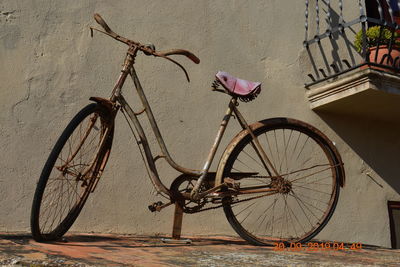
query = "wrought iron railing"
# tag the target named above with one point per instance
(325, 21)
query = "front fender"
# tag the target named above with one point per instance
(103, 102)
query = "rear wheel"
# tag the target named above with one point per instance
(304, 194)
(71, 172)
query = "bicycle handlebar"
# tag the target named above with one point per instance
(186, 53)
(103, 24)
(146, 49)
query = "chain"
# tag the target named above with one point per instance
(268, 194)
(260, 176)
(239, 201)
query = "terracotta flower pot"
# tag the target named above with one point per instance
(383, 58)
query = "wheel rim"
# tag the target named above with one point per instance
(307, 186)
(71, 178)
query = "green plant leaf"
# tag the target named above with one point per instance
(372, 37)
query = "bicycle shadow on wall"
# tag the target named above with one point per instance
(368, 123)
(375, 141)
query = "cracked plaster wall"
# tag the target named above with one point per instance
(50, 66)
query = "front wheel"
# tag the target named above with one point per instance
(294, 205)
(71, 172)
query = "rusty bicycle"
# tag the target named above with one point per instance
(278, 180)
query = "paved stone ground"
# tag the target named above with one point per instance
(18, 249)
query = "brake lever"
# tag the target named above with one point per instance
(173, 61)
(183, 52)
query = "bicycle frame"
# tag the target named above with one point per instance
(306, 159)
(117, 97)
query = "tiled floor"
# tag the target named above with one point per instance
(18, 249)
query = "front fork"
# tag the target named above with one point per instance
(111, 109)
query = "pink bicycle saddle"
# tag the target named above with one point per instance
(238, 86)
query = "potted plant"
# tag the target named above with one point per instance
(372, 40)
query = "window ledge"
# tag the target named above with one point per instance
(364, 92)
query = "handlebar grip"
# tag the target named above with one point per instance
(103, 24)
(186, 53)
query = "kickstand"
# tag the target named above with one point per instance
(177, 227)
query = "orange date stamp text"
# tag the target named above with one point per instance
(316, 246)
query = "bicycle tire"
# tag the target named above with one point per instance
(322, 172)
(58, 170)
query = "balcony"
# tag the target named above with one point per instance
(345, 76)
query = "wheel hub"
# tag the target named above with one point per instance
(282, 185)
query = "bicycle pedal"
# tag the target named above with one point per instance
(156, 206)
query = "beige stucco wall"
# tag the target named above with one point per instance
(50, 67)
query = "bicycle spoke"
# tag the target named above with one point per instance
(284, 157)
(270, 149)
(253, 159)
(245, 208)
(277, 150)
(312, 198)
(244, 164)
(298, 221)
(251, 211)
(286, 147)
(303, 177)
(298, 199)
(299, 186)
